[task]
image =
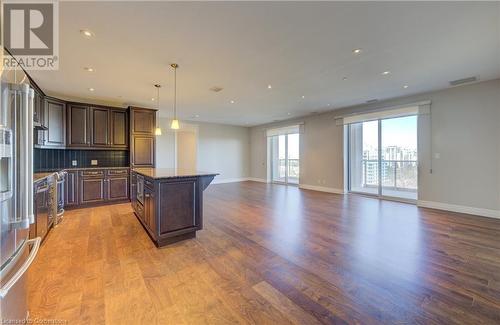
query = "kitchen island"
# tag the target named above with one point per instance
(169, 202)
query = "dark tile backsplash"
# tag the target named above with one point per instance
(53, 159)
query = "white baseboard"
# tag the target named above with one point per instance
(229, 180)
(459, 208)
(322, 189)
(255, 179)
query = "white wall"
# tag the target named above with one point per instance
(465, 124)
(223, 149)
(187, 150)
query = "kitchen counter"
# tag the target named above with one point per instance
(169, 202)
(164, 173)
(37, 177)
(77, 168)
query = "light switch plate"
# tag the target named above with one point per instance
(74, 163)
(93, 162)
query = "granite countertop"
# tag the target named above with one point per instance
(160, 173)
(40, 176)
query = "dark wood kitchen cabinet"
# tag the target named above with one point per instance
(117, 184)
(99, 122)
(119, 128)
(78, 125)
(97, 127)
(92, 188)
(38, 109)
(71, 189)
(55, 121)
(142, 137)
(149, 209)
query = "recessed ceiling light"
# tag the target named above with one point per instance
(345, 78)
(357, 51)
(89, 69)
(289, 113)
(196, 116)
(405, 86)
(328, 104)
(385, 73)
(86, 33)
(152, 99)
(232, 102)
(303, 96)
(91, 89)
(269, 86)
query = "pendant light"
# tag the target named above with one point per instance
(175, 121)
(158, 129)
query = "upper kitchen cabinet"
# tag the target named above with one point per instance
(100, 126)
(97, 127)
(143, 120)
(54, 118)
(142, 138)
(38, 110)
(78, 125)
(119, 128)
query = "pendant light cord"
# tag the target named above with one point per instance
(175, 93)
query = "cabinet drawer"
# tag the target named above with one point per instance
(92, 173)
(117, 172)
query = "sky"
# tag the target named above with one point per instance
(400, 132)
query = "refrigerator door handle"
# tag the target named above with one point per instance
(20, 272)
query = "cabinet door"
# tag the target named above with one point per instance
(99, 126)
(143, 151)
(117, 188)
(78, 126)
(177, 206)
(38, 109)
(71, 189)
(92, 190)
(119, 128)
(55, 117)
(149, 209)
(143, 121)
(41, 210)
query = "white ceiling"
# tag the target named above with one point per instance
(300, 48)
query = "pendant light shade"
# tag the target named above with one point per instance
(175, 122)
(157, 129)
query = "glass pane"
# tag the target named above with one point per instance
(364, 174)
(293, 158)
(399, 157)
(278, 161)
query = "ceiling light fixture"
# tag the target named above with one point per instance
(91, 89)
(405, 86)
(87, 33)
(345, 78)
(357, 51)
(269, 86)
(157, 129)
(152, 99)
(385, 73)
(89, 69)
(303, 96)
(232, 102)
(175, 122)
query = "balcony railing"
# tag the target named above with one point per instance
(396, 174)
(293, 168)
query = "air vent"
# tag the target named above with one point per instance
(372, 101)
(216, 89)
(463, 81)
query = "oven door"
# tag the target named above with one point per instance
(140, 189)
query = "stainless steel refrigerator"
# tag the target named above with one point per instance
(17, 252)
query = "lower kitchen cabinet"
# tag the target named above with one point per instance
(96, 186)
(92, 190)
(71, 189)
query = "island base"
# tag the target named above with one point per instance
(171, 240)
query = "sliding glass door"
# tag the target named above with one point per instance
(383, 157)
(285, 158)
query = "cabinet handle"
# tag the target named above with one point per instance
(147, 195)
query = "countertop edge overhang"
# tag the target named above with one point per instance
(170, 173)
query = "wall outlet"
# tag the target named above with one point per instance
(93, 162)
(74, 163)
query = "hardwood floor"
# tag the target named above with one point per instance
(271, 254)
